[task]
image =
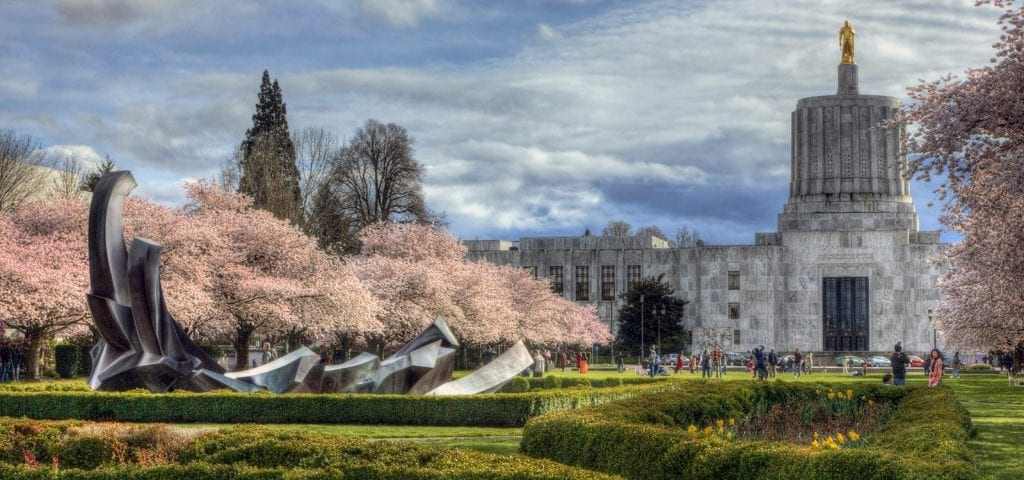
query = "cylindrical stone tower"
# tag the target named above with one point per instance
(843, 161)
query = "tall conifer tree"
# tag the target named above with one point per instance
(269, 173)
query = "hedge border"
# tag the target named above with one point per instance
(258, 453)
(924, 436)
(500, 409)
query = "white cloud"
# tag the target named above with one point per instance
(84, 155)
(400, 13)
(547, 32)
(119, 12)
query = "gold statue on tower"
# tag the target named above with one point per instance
(846, 41)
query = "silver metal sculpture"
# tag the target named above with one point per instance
(142, 346)
(491, 377)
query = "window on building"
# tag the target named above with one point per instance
(555, 277)
(736, 337)
(582, 283)
(632, 276)
(608, 282)
(734, 311)
(532, 271)
(734, 280)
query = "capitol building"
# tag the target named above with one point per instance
(847, 270)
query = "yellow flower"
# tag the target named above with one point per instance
(719, 423)
(732, 422)
(817, 392)
(831, 396)
(871, 402)
(853, 436)
(840, 438)
(849, 394)
(815, 435)
(720, 430)
(692, 428)
(832, 445)
(709, 430)
(728, 435)
(814, 443)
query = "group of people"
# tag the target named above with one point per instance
(12, 357)
(932, 367)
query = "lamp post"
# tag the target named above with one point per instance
(661, 313)
(935, 339)
(641, 326)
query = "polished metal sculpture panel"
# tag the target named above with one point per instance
(143, 346)
(491, 377)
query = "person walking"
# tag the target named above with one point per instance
(927, 367)
(5, 361)
(773, 362)
(268, 354)
(761, 363)
(17, 357)
(899, 361)
(693, 364)
(716, 361)
(798, 362)
(652, 361)
(538, 364)
(705, 365)
(935, 366)
(956, 364)
(679, 363)
(810, 362)
(846, 365)
(620, 363)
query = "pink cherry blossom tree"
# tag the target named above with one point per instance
(971, 131)
(419, 272)
(266, 278)
(43, 273)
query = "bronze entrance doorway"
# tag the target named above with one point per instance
(845, 313)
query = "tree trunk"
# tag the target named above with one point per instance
(242, 337)
(33, 341)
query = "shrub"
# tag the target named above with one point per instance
(518, 385)
(512, 409)
(249, 452)
(67, 360)
(84, 360)
(552, 381)
(924, 436)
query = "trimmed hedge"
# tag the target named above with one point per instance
(231, 407)
(258, 453)
(924, 436)
(67, 360)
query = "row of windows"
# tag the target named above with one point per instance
(608, 278)
(582, 277)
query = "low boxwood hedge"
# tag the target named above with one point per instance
(923, 436)
(231, 407)
(257, 453)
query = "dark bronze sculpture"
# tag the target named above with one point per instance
(142, 346)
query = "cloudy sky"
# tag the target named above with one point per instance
(532, 117)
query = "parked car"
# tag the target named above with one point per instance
(877, 361)
(916, 361)
(855, 361)
(670, 359)
(733, 358)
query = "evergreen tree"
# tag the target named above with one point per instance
(94, 175)
(661, 311)
(269, 173)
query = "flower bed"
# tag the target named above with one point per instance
(720, 430)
